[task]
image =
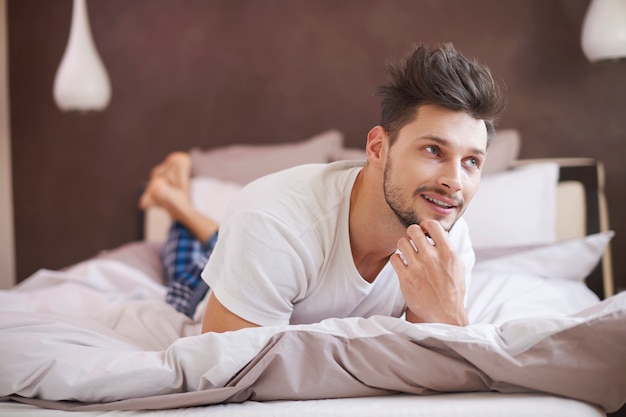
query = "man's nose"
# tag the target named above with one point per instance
(450, 177)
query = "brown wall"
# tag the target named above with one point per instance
(207, 72)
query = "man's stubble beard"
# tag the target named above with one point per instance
(406, 215)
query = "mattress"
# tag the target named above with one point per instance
(448, 405)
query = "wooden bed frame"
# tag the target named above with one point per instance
(581, 186)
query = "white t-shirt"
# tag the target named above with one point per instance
(284, 256)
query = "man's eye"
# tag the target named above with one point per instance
(432, 149)
(472, 162)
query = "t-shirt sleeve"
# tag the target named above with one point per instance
(259, 268)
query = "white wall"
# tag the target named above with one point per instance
(7, 241)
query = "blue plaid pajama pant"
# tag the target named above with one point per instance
(183, 257)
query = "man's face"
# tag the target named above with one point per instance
(433, 168)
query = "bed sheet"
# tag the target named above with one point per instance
(399, 405)
(100, 333)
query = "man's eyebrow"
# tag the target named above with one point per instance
(445, 142)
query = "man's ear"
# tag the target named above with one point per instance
(376, 148)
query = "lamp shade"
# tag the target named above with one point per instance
(81, 82)
(604, 30)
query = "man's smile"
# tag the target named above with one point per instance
(438, 202)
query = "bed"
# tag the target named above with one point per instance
(547, 333)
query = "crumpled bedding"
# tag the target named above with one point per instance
(99, 336)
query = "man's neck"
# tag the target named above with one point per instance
(372, 237)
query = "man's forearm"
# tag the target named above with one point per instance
(458, 318)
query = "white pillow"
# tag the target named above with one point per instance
(349, 154)
(515, 207)
(244, 163)
(572, 259)
(212, 196)
(537, 281)
(499, 298)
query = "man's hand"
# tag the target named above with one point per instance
(432, 277)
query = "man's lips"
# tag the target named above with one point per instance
(440, 201)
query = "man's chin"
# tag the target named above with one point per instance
(446, 224)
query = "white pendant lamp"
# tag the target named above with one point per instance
(604, 30)
(81, 82)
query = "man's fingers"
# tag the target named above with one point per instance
(405, 246)
(418, 236)
(398, 261)
(437, 235)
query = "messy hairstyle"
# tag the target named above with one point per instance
(441, 77)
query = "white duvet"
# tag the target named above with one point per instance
(100, 334)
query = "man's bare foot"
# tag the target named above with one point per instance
(178, 204)
(169, 189)
(176, 168)
(161, 193)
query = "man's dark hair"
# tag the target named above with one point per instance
(441, 77)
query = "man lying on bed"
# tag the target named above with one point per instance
(347, 238)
